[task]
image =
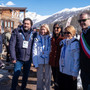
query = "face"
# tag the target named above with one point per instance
(27, 25)
(67, 35)
(35, 30)
(84, 21)
(57, 29)
(43, 31)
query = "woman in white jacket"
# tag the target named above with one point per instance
(69, 60)
(41, 50)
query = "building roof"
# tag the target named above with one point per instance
(13, 8)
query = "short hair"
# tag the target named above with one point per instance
(29, 20)
(34, 28)
(87, 13)
(71, 29)
(47, 27)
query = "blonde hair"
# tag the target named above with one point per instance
(71, 29)
(46, 26)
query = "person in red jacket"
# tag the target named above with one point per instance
(55, 52)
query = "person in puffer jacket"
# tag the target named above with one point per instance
(69, 60)
(41, 50)
(20, 51)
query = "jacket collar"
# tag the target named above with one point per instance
(68, 41)
(44, 36)
(21, 29)
(85, 31)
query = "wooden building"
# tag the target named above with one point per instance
(10, 17)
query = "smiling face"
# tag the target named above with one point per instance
(43, 30)
(27, 24)
(67, 35)
(69, 32)
(57, 29)
(84, 21)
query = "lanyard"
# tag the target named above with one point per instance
(29, 37)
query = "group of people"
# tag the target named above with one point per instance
(4, 43)
(62, 54)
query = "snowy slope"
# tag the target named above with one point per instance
(35, 17)
(62, 15)
(59, 16)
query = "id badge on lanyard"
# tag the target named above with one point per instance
(25, 44)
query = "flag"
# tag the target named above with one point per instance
(68, 21)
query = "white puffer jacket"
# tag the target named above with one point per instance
(69, 60)
(41, 50)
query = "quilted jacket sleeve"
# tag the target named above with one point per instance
(12, 45)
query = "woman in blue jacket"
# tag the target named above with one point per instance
(41, 50)
(69, 60)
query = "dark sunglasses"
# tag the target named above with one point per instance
(67, 33)
(56, 27)
(83, 20)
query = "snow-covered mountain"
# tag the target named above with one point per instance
(63, 15)
(35, 17)
(59, 16)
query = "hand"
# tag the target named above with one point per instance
(74, 78)
(14, 61)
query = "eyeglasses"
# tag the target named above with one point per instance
(56, 27)
(83, 20)
(67, 33)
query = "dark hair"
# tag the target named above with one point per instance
(29, 20)
(34, 28)
(59, 24)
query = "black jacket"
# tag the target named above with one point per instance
(84, 60)
(17, 52)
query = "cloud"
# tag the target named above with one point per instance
(10, 3)
(2, 5)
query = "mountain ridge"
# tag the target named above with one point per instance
(58, 16)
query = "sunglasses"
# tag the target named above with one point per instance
(67, 33)
(83, 20)
(56, 27)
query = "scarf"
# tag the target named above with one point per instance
(85, 46)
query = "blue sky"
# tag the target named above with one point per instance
(46, 7)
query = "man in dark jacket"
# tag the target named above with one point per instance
(84, 21)
(20, 51)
